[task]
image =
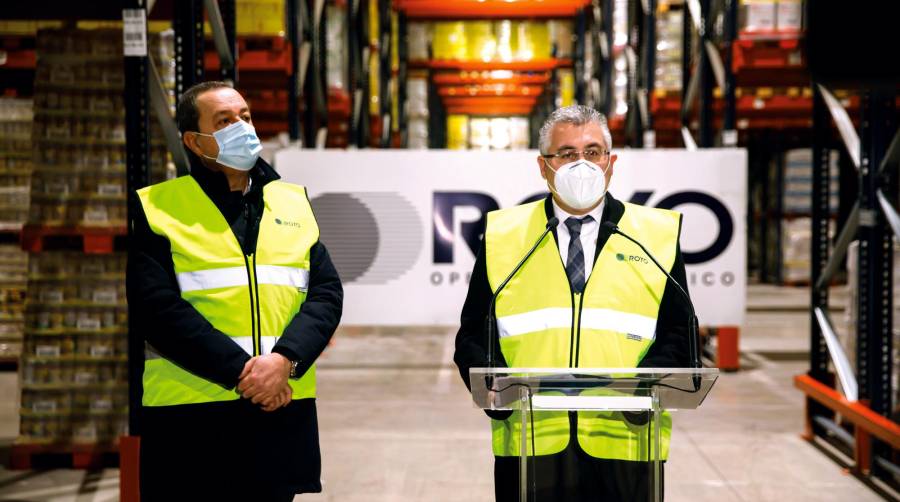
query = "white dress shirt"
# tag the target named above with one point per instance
(589, 233)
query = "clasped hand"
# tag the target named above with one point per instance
(264, 381)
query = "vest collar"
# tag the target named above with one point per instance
(215, 185)
(612, 211)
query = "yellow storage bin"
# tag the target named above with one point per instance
(374, 26)
(506, 48)
(566, 88)
(374, 85)
(457, 132)
(449, 40)
(480, 42)
(532, 40)
(257, 17)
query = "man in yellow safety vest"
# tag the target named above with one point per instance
(579, 301)
(235, 297)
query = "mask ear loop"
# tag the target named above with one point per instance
(201, 151)
(551, 187)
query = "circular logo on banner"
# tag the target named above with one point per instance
(372, 237)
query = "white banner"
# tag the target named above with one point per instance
(401, 225)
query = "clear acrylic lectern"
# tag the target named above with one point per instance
(651, 390)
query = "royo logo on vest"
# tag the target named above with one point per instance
(287, 223)
(632, 258)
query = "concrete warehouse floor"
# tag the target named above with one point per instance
(397, 424)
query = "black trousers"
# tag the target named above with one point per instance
(574, 476)
(229, 451)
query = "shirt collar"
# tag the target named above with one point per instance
(596, 213)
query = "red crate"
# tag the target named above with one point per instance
(91, 240)
(770, 54)
(338, 103)
(27, 456)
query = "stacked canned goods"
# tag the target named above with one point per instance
(74, 362)
(15, 161)
(79, 129)
(74, 365)
(13, 271)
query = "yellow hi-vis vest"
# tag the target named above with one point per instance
(250, 298)
(543, 324)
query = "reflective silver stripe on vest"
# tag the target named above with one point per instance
(212, 279)
(267, 342)
(283, 276)
(246, 343)
(614, 320)
(536, 320)
(561, 317)
(278, 275)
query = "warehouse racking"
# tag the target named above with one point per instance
(341, 73)
(852, 393)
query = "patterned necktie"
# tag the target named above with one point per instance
(575, 261)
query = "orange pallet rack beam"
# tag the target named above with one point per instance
(534, 65)
(496, 90)
(481, 9)
(488, 77)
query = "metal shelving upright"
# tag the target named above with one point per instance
(706, 65)
(859, 418)
(864, 399)
(399, 75)
(640, 54)
(307, 86)
(593, 64)
(137, 141)
(187, 22)
(358, 51)
(227, 13)
(605, 42)
(381, 43)
(315, 90)
(696, 76)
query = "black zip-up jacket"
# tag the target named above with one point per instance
(669, 350)
(230, 450)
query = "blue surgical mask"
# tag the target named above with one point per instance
(239, 146)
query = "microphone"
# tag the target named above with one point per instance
(694, 327)
(491, 318)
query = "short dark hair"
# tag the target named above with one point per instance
(186, 114)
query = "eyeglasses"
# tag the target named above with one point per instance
(566, 156)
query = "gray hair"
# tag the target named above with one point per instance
(575, 115)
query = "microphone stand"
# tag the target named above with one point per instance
(693, 322)
(490, 321)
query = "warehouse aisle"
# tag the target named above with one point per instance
(397, 426)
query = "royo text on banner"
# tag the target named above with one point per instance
(402, 226)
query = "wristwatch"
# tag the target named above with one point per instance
(294, 369)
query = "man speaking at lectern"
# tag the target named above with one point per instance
(584, 299)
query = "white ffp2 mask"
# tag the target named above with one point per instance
(580, 184)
